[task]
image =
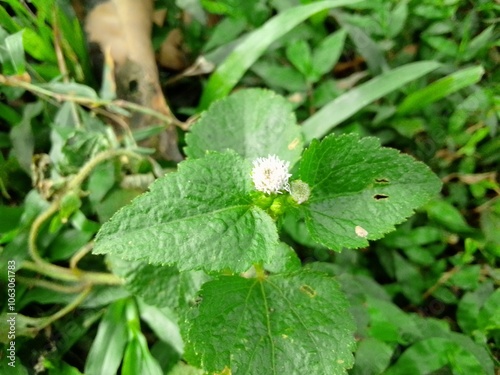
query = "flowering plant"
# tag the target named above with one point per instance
(219, 220)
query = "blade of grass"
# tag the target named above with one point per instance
(227, 75)
(346, 105)
(441, 88)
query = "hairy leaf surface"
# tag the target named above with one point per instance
(254, 123)
(284, 324)
(360, 190)
(197, 218)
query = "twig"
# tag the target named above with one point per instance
(32, 282)
(80, 254)
(63, 273)
(90, 103)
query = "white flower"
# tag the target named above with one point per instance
(270, 175)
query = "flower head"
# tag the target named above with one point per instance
(270, 175)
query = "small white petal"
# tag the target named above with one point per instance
(270, 175)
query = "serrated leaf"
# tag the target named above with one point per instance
(285, 324)
(198, 218)
(159, 285)
(360, 190)
(254, 123)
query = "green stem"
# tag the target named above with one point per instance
(63, 273)
(47, 320)
(73, 262)
(88, 102)
(74, 183)
(31, 282)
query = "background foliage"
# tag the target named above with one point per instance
(418, 75)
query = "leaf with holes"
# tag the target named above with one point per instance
(254, 123)
(284, 324)
(360, 190)
(200, 217)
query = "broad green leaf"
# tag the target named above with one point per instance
(159, 285)
(254, 123)
(326, 55)
(489, 316)
(441, 89)
(279, 76)
(298, 53)
(237, 63)
(286, 260)
(372, 357)
(447, 215)
(198, 218)
(346, 105)
(360, 190)
(432, 354)
(108, 346)
(12, 54)
(284, 324)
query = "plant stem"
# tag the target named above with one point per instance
(63, 273)
(31, 282)
(73, 262)
(45, 321)
(90, 103)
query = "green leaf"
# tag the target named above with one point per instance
(254, 123)
(441, 89)
(346, 105)
(286, 260)
(198, 218)
(447, 215)
(432, 354)
(299, 54)
(107, 349)
(137, 358)
(489, 315)
(278, 76)
(159, 285)
(360, 190)
(285, 324)
(163, 322)
(21, 135)
(372, 357)
(12, 54)
(327, 54)
(244, 55)
(72, 89)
